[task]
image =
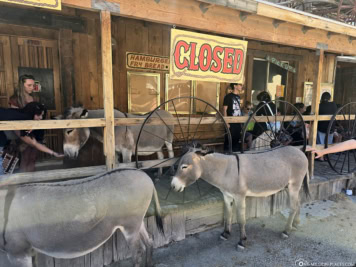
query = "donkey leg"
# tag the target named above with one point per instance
(20, 260)
(228, 203)
(170, 154)
(134, 244)
(241, 219)
(296, 220)
(147, 241)
(126, 155)
(294, 207)
(160, 156)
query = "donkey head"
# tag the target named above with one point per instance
(74, 138)
(189, 169)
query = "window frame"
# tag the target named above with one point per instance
(193, 88)
(129, 89)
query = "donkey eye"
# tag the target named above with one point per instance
(184, 167)
(69, 131)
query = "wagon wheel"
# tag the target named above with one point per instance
(272, 132)
(342, 128)
(206, 125)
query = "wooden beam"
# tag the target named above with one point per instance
(108, 96)
(74, 173)
(256, 27)
(50, 124)
(243, 15)
(37, 18)
(277, 22)
(277, 12)
(65, 124)
(103, 5)
(305, 29)
(315, 110)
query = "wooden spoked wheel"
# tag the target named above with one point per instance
(192, 122)
(284, 126)
(342, 128)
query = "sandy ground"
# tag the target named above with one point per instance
(326, 237)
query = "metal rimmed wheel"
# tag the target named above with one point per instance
(274, 124)
(342, 128)
(191, 121)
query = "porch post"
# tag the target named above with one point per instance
(315, 110)
(108, 96)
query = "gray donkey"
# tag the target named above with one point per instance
(241, 175)
(72, 218)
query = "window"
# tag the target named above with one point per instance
(143, 91)
(178, 88)
(208, 91)
(267, 77)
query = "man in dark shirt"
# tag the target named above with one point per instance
(325, 108)
(232, 107)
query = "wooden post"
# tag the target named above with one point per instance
(106, 53)
(315, 110)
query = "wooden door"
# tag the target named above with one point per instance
(31, 53)
(6, 77)
(38, 56)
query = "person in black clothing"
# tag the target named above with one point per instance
(267, 110)
(232, 107)
(32, 111)
(325, 108)
(296, 129)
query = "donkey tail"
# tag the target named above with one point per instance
(306, 185)
(158, 216)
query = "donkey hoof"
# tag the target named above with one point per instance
(294, 228)
(225, 236)
(285, 235)
(240, 246)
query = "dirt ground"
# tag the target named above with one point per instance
(326, 237)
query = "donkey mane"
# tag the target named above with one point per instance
(77, 181)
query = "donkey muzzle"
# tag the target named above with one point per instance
(177, 185)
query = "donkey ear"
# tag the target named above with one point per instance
(84, 114)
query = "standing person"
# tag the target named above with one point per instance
(232, 107)
(325, 108)
(23, 94)
(269, 109)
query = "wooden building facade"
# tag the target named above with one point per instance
(72, 49)
(85, 47)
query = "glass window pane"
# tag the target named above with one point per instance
(277, 77)
(144, 91)
(178, 88)
(259, 78)
(209, 92)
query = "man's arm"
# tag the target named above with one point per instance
(225, 111)
(347, 145)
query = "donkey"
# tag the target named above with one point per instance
(241, 175)
(72, 218)
(152, 139)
